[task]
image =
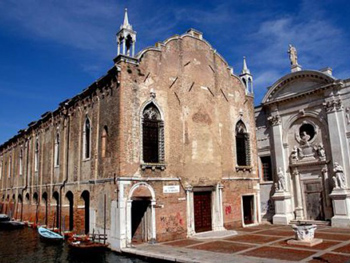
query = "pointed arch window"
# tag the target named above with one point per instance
(152, 135)
(36, 155)
(21, 161)
(242, 145)
(104, 142)
(9, 167)
(57, 150)
(87, 138)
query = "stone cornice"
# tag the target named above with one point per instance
(299, 95)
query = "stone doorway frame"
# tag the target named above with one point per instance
(152, 223)
(254, 214)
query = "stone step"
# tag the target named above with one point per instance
(315, 222)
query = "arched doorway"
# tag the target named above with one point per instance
(44, 199)
(142, 227)
(56, 220)
(20, 201)
(70, 198)
(86, 197)
(36, 202)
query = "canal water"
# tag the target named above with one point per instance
(25, 246)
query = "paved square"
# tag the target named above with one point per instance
(279, 253)
(222, 247)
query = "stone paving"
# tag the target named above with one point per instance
(265, 243)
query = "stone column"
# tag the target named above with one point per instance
(327, 181)
(124, 47)
(337, 133)
(218, 211)
(282, 199)
(340, 151)
(190, 212)
(299, 212)
(128, 223)
(133, 49)
(153, 223)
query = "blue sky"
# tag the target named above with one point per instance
(50, 50)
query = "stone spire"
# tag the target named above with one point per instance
(246, 77)
(126, 24)
(126, 38)
(245, 69)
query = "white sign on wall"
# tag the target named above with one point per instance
(169, 189)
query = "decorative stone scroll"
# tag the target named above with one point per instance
(306, 153)
(333, 105)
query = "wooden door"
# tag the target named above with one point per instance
(313, 201)
(139, 220)
(202, 211)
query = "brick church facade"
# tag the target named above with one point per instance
(160, 148)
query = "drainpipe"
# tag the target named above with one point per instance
(67, 158)
(26, 186)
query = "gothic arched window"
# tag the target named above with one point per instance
(36, 155)
(104, 141)
(152, 135)
(242, 145)
(57, 150)
(87, 138)
(21, 161)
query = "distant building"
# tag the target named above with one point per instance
(166, 137)
(303, 144)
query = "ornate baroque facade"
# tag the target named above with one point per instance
(160, 148)
(303, 145)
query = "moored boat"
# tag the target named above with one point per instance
(11, 224)
(49, 235)
(4, 217)
(86, 245)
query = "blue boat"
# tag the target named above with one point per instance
(49, 235)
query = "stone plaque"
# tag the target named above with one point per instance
(170, 189)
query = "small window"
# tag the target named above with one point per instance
(242, 145)
(266, 168)
(87, 138)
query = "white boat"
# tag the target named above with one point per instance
(49, 235)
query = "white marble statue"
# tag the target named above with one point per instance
(347, 110)
(321, 152)
(305, 137)
(338, 177)
(293, 55)
(281, 183)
